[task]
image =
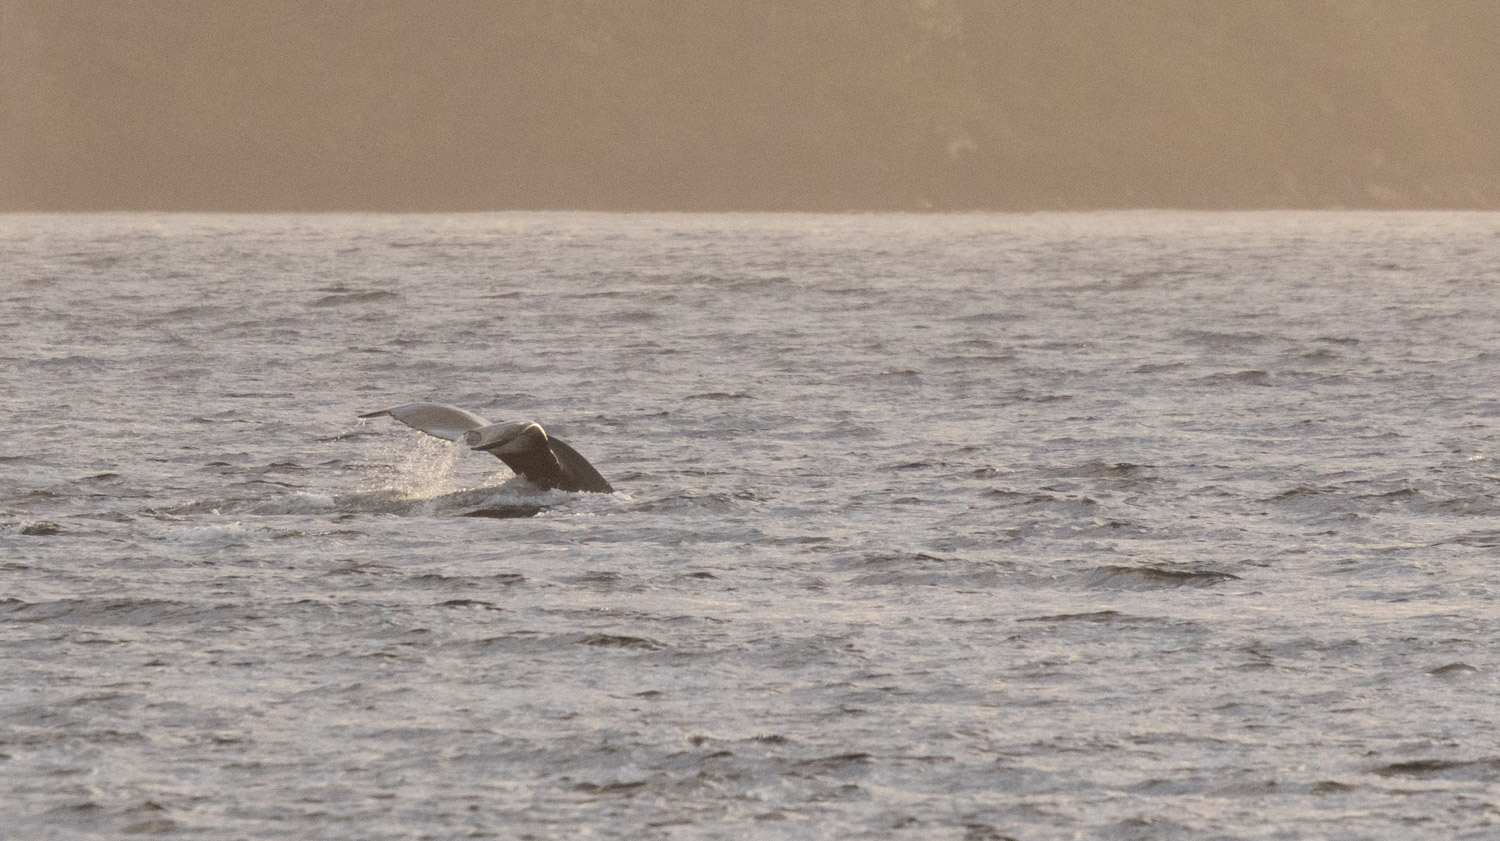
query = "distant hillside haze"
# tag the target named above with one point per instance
(831, 105)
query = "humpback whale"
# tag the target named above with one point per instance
(525, 448)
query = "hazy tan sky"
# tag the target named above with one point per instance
(748, 104)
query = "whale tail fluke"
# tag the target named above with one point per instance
(436, 419)
(524, 447)
(581, 476)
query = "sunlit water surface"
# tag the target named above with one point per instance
(1121, 526)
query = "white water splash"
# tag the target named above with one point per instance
(423, 467)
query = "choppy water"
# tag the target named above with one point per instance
(1126, 526)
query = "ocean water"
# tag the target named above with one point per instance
(1117, 526)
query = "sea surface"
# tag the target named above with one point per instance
(973, 527)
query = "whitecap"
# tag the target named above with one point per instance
(204, 533)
